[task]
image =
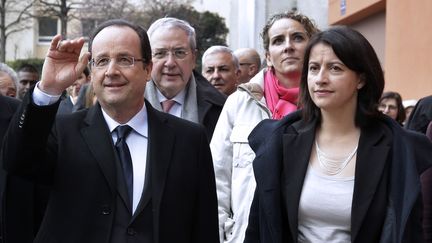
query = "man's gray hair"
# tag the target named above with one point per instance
(9, 71)
(218, 49)
(170, 22)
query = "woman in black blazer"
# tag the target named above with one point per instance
(338, 170)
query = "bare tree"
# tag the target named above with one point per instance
(67, 10)
(64, 10)
(13, 18)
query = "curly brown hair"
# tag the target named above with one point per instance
(307, 23)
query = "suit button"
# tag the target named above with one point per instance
(106, 210)
(131, 231)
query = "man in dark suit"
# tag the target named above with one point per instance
(22, 202)
(155, 184)
(174, 80)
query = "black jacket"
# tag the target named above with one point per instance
(210, 103)
(389, 161)
(75, 154)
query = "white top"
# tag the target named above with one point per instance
(232, 159)
(179, 99)
(325, 208)
(137, 140)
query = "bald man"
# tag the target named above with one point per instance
(250, 63)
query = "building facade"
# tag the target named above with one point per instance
(246, 18)
(399, 32)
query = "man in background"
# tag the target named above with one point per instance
(175, 87)
(250, 63)
(221, 68)
(28, 75)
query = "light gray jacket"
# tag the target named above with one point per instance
(232, 157)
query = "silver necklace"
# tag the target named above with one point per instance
(330, 165)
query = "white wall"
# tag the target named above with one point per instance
(19, 44)
(315, 9)
(246, 18)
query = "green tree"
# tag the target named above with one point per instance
(210, 28)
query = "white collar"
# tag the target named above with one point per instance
(179, 98)
(139, 122)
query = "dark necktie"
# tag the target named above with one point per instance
(125, 158)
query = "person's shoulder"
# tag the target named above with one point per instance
(269, 128)
(68, 120)
(11, 103)
(409, 139)
(426, 100)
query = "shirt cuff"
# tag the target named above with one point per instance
(41, 98)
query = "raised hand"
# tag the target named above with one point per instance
(62, 65)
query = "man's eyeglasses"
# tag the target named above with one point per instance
(121, 61)
(163, 53)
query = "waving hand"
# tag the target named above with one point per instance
(63, 65)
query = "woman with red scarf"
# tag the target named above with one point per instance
(272, 93)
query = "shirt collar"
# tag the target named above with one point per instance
(179, 98)
(139, 122)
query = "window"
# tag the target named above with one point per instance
(88, 25)
(47, 28)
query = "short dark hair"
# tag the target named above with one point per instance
(141, 32)
(26, 67)
(307, 23)
(355, 51)
(400, 108)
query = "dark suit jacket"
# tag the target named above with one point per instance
(22, 202)
(210, 103)
(421, 115)
(386, 203)
(65, 106)
(78, 159)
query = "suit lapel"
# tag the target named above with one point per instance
(371, 159)
(159, 154)
(96, 135)
(296, 153)
(203, 107)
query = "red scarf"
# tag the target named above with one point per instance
(280, 100)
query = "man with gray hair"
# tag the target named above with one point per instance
(8, 81)
(221, 68)
(175, 87)
(250, 63)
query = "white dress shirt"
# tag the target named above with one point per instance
(176, 109)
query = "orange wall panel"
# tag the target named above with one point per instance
(354, 11)
(409, 48)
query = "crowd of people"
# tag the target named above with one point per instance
(127, 142)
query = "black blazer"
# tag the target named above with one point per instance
(386, 201)
(79, 161)
(22, 202)
(65, 106)
(210, 103)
